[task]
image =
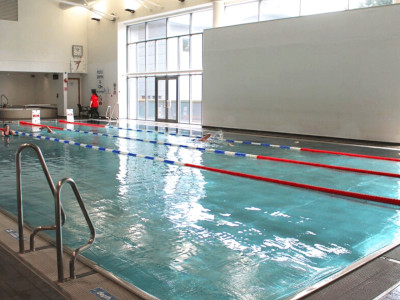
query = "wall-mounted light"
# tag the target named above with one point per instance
(95, 16)
(132, 5)
(97, 9)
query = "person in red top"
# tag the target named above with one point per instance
(94, 105)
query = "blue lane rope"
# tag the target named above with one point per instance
(203, 149)
(229, 153)
(197, 137)
(104, 149)
(232, 173)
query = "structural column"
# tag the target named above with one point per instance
(218, 13)
(63, 109)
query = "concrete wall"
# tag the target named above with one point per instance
(326, 75)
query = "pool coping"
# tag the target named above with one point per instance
(116, 286)
(346, 271)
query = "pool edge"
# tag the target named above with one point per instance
(84, 260)
(346, 271)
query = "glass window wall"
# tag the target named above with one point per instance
(150, 98)
(137, 33)
(175, 45)
(178, 26)
(353, 4)
(197, 53)
(196, 98)
(172, 58)
(141, 98)
(141, 57)
(279, 9)
(201, 20)
(132, 96)
(184, 99)
(157, 29)
(241, 13)
(312, 7)
(150, 56)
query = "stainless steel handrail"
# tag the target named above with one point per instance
(60, 266)
(19, 197)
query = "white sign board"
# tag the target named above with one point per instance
(36, 116)
(70, 115)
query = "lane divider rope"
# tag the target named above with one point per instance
(241, 154)
(374, 198)
(246, 155)
(40, 125)
(247, 142)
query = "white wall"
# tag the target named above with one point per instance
(42, 38)
(327, 75)
(39, 44)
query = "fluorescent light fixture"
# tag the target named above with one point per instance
(132, 5)
(95, 16)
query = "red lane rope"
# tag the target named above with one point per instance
(83, 124)
(39, 125)
(350, 154)
(305, 163)
(302, 149)
(328, 166)
(303, 186)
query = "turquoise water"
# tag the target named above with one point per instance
(183, 233)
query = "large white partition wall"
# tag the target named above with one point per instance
(334, 74)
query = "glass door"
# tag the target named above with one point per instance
(167, 99)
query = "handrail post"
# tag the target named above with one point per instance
(75, 253)
(59, 243)
(19, 196)
(19, 200)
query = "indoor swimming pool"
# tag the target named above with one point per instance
(180, 232)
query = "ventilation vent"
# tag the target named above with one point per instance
(9, 10)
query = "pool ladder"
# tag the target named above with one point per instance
(59, 214)
(110, 112)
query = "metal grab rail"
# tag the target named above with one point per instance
(19, 197)
(59, 243)
(111, 111)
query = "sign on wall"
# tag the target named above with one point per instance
(70, 115)
(78, 65)
(100, 82)
(36, 116)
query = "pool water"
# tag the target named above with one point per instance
(183, 233)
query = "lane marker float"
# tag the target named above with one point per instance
(40, 125)
(248, 143)
(373, 198)
(246, 155)
(241, 154)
